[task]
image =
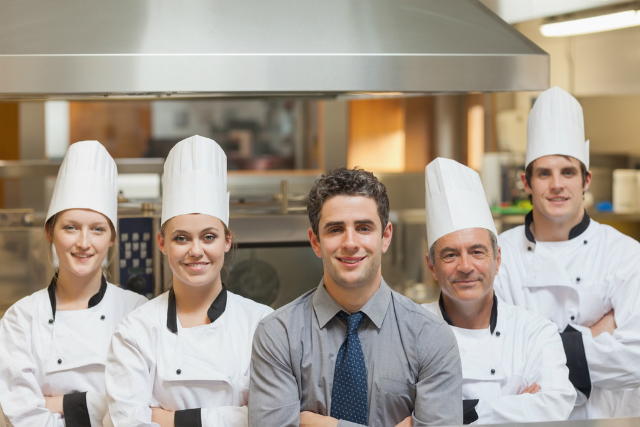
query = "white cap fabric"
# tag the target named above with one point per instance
(195, 180)
(455, 200)
(556, 126)
(87, 179)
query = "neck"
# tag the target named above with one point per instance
(352, 299)
(474, 314)
(74, 292)
(195, 300)
(546, 229)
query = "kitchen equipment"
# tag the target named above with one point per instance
(626, 190)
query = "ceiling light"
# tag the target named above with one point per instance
(594, 24)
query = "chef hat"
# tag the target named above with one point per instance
(87, 179)
(455, 200)
(195, 180)
(556, 126)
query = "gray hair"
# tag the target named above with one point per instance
(494, 248)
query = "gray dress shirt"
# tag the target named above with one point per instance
(412, 360)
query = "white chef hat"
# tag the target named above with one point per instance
(455, 200)
(556, 126)
(195, 180)
(87, 179)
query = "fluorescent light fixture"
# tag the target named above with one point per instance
(595, 24)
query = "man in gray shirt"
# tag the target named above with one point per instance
(353, 352)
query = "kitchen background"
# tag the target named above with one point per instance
(277, 147)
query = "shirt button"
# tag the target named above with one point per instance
(529, 248)
(102, 317)
(59, 361)
(577, 279)
(585, 242)
(493, 371)
(178, 371)
(50, 321)
(497, 333)
(573, 317)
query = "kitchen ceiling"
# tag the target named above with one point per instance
(78, 49)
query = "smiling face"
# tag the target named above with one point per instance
(465, 264)
(81, 238)
(195, 245)
(556, 187)
(351, 241)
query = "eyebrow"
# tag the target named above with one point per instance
(476, 246)
(202, 231)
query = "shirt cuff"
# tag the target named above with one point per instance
(576, 360)
(469, 414)
(76, 413)
(188, 418)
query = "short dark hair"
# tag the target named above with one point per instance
(347, 182)
(528, 173)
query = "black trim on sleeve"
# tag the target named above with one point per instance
(576, 360)
(493, 321)
(469, 413)
(188, 418)
(575, 231)
(216, 309)
(76, 413)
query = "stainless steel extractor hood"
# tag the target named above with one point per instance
(70, 49)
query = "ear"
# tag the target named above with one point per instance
(47, 229)
(432, 268)
(386, 237)
(587, 181)
(315, 243)
(498, 260)
(161, 242)
(523, 178)
(227, 242)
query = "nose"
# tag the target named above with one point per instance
(83, 240)
(556, 182)
(349, 243)
(465, 266)
(196, 250)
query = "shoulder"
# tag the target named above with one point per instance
(127, 300)
(147, 315)
(295, 310)
(433, 308)
(511, 237)
(525, 322)
(248, 306)
(413, 313)
(612, 238)
(28, 309)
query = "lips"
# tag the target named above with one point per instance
(196, 266)
(557, 199)
(350, 261)
(82, 256)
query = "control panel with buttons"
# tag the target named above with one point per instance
(136, 255)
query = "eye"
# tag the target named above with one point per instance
(334, 230)
(68, 227)
(569, 173)
(180, 239)
(364, 228)
(100, 229)
(209, 238)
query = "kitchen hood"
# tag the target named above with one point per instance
(79, 49)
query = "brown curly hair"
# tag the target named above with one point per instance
(347, 182)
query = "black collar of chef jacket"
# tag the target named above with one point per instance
(575, 231)
(215, 311)
(493, 321)
(93, 301)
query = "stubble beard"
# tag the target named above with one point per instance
(365, 278)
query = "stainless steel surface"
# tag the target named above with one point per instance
(22, 168)
(270, 229)
(110, 49)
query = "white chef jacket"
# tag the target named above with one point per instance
(519, 349)
(204, 368)
(575, 283)
(44, 352)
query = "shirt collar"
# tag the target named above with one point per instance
(575, 231)
(376, 308)
(93, 301)
(213, 313)
(493, 320)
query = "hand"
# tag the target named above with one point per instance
(311, 419)
(54, 404)
(532, 389)
(606, 324)
(162, 417)
(406, 422)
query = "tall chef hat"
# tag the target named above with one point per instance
(556, 126)
(87, 179)
(195, 180)
(455, 200)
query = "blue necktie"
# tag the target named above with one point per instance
(349, 394)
